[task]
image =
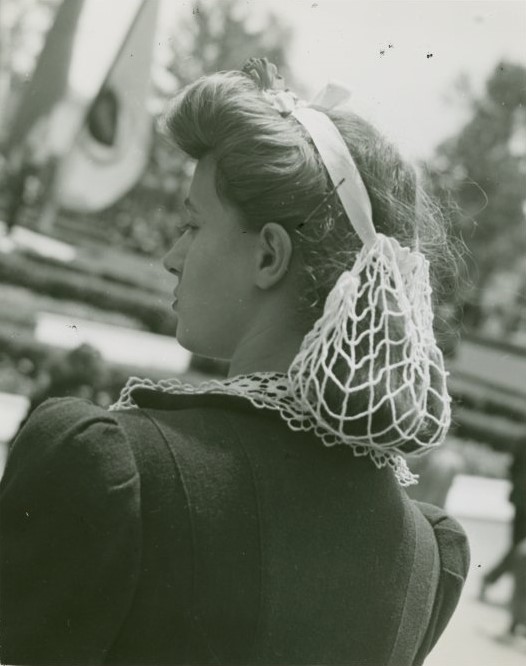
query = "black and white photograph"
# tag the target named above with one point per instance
(263, 332)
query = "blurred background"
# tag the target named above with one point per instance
(90, 191)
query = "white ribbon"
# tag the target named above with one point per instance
(342, 171)
(332, 95)
(333, 151)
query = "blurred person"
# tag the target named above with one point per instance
(518, 600)
(79, 372)
(260, 518)
(513, 561)
(517, 499)
(50, 174)
(18, 170)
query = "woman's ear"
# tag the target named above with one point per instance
(273, 256)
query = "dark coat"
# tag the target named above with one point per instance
(200, 530)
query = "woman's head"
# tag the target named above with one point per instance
(267, 172)
(268, 169)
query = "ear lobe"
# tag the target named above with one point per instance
(274, 255)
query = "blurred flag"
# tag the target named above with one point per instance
(86, 107)
(112, 147)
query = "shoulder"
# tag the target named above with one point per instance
(451, 539)
(71, 445)
(71, 531)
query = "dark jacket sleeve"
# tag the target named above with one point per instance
(453, 548)
(70, 536)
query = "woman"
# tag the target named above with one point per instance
(218, 524)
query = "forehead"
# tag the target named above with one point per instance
(203, 194)
(204, 199)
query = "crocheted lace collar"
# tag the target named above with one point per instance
(267, 390)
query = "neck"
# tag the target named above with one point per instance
(269, 348)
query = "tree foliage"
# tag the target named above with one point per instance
(483, 168)
(221, 35)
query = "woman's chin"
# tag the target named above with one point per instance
(182, 337)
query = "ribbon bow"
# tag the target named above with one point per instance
(285, 101)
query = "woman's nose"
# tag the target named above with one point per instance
(173, 259)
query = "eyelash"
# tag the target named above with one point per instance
(185, 226)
